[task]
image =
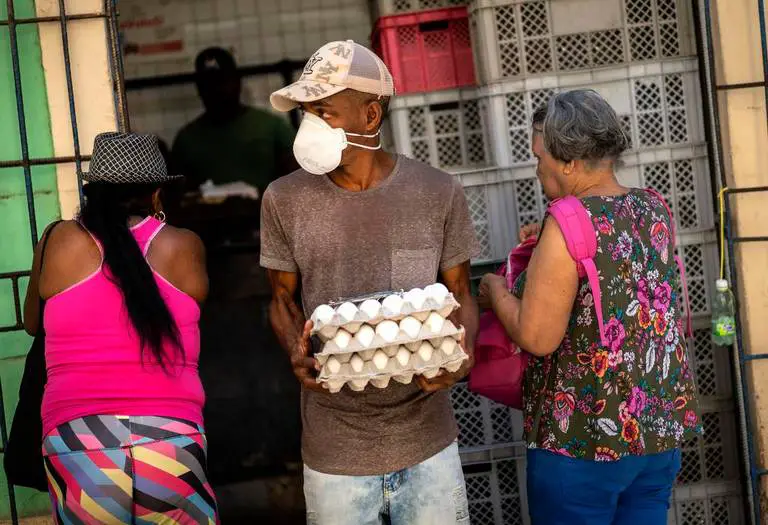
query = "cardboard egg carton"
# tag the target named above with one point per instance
(396, 362)
(372, 310)
(333, 346)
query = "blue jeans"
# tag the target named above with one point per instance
(632, 491)
(430, 493)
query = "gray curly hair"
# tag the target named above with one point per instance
(581, 125)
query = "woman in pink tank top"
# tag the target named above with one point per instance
(122, 409)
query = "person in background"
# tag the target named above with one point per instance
(355, 220)
(603, 423)
(230, 141)
(122, 408)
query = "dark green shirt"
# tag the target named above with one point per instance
(250, 148)
(635, 396)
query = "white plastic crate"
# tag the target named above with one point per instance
(484, 424)
(496, 493)
(444, 129)
(658, 104)
(500, 202)
(521, 38)
(397, 7)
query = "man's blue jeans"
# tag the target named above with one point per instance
(631, 491)
(430, 493)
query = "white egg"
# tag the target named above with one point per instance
(380, 360)
(323, 314)
(435, 323)
(388, 330)
(438, 292)
(333, 365)
(342, 339)
(403, 356)
(416, 298)
(381, 382)
(371, 308)
(365, 336)
(425, 351)
(411, 326)
(392, 305)
(347, 311)
(357, 363)
(448, 346)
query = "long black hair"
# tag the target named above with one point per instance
(105, 214)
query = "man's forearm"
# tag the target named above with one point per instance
(287, 322)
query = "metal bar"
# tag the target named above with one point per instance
(70, 94)
(762, 238)
(22, 120)
(182, 78)
(763, 47)
(116, 65)
(44, 161)
(15, 275)
(755, 357)
(755, 489)
(17, 302)
(740, 85)
(42, 19)
(748, 189)
(4, 443)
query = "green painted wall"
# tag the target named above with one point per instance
(15, 240)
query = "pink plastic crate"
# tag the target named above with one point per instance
(426, 51)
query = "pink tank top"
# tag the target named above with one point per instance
(94, 360)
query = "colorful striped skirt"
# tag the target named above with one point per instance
(129, 470)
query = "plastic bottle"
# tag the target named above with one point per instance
(723, 315)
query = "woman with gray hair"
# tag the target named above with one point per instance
(604, 416)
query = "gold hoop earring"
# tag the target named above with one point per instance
(160, 216)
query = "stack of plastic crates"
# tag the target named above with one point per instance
(640, 55)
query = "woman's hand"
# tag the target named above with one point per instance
(490, 287)
(529, 230)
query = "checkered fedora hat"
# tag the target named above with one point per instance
(127, 158)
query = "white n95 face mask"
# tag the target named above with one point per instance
(318, 146)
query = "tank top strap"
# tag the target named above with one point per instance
(145, 232)
(93, 237)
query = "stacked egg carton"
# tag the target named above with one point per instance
(372, 341)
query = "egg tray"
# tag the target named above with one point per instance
(380, 378)
(449, 330)
(327, 330)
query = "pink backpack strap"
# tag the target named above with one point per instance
(581, 241)
(678, 261)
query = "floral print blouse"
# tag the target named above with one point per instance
(637, 395)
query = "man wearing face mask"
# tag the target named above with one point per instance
(357, 220)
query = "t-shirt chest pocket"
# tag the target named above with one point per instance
(414, 268)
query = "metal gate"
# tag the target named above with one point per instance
(13, 23)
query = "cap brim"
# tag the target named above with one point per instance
(292, 96)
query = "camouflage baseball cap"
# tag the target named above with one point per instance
(333, 68)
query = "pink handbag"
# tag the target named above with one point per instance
(499, 364)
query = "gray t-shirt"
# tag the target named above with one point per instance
(398, 235)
